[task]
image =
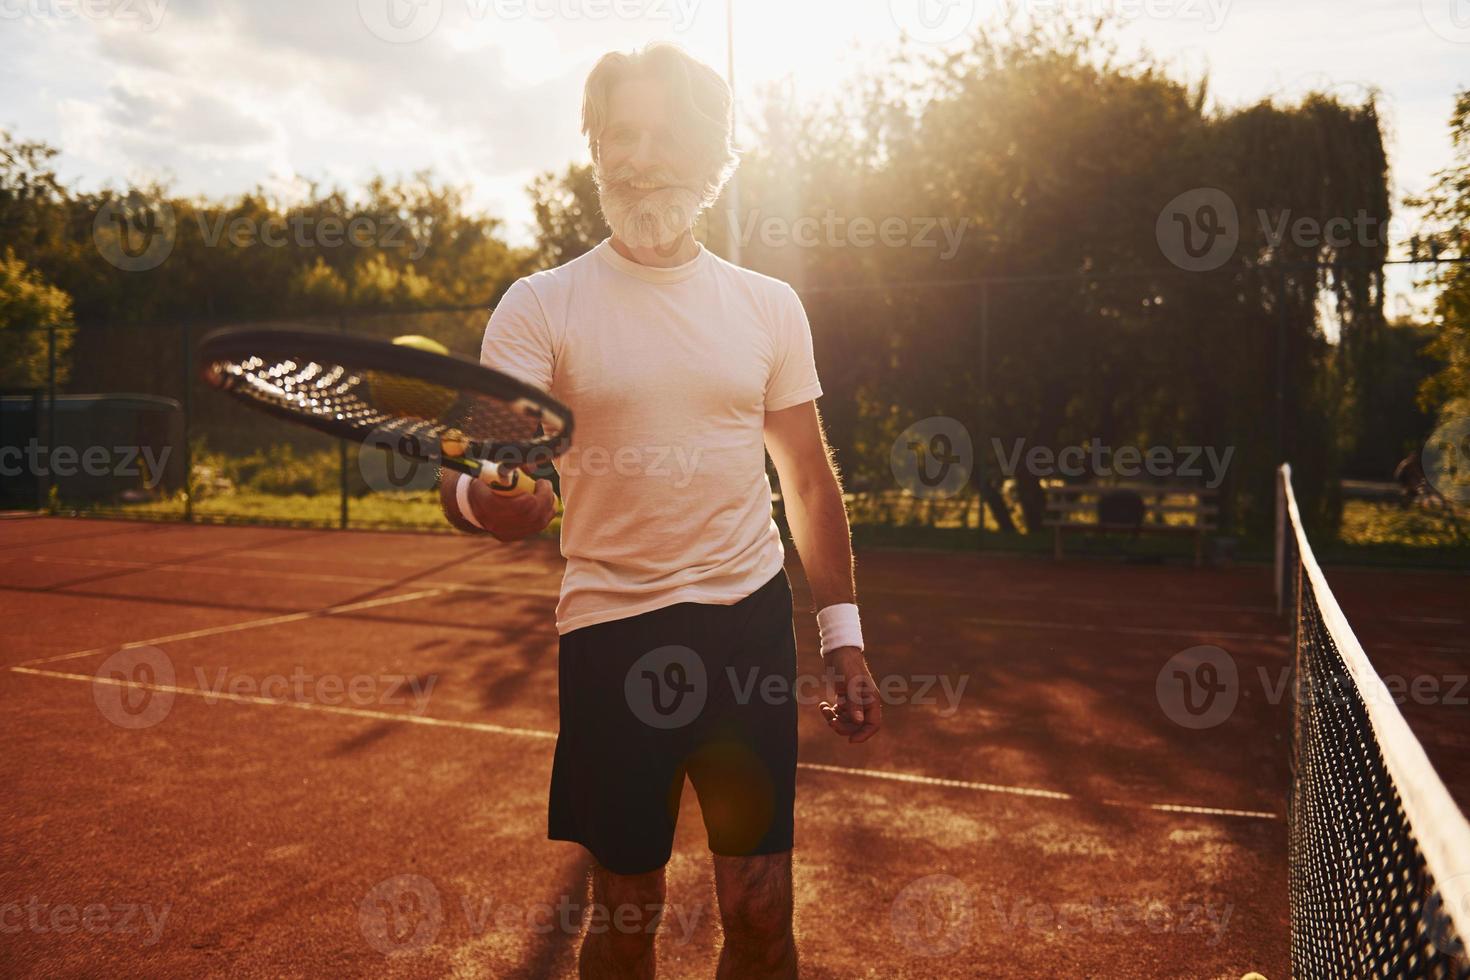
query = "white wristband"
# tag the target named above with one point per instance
(839, 627)
(462, 500)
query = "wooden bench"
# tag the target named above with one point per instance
(1134, 508)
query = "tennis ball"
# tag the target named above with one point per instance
(401, 395)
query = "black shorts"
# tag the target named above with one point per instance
(691, 689)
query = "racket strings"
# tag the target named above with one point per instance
(385, 405)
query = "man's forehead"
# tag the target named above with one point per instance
(636, 100)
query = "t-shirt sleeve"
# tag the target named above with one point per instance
(793, 377)
(518, 338)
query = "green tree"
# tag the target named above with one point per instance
(1447, 391)
(568, 217)
(30, 308)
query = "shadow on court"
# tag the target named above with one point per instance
(267, 752)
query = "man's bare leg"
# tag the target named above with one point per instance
(755, 909)
(621, 927)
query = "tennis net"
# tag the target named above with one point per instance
(1379, 851)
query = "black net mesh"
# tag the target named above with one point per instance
(1364, 900)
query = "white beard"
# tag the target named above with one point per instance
(651, 219)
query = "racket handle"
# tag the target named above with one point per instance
(511, 482)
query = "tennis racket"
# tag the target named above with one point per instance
(433, 408)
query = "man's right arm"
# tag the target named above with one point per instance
(517, 341)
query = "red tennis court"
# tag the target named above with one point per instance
(275, 752)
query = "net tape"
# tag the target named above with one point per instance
(1379, 851)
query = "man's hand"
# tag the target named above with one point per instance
(855, 710)
(506, 518)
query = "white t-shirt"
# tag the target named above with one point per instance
(669, 374)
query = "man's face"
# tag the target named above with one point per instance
(646, 172)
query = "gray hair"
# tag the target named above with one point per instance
(699, 96)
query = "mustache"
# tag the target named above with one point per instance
(626, 174)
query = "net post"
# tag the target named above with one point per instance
(188, 410)
(50, 408)
(1282, 475)
(980, 475)
(342, 457)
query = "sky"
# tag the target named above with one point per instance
(216, 98)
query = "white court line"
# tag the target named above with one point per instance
(476, 726)
(293, 576)
(1135, 630)
(236, 627)
(551, 593)
(539, 570)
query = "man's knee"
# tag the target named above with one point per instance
(625, 911)
(755, 901)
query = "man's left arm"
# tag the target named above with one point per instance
(815, 510)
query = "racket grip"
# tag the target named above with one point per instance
(511, 482)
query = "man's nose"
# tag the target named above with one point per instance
(645, 154)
